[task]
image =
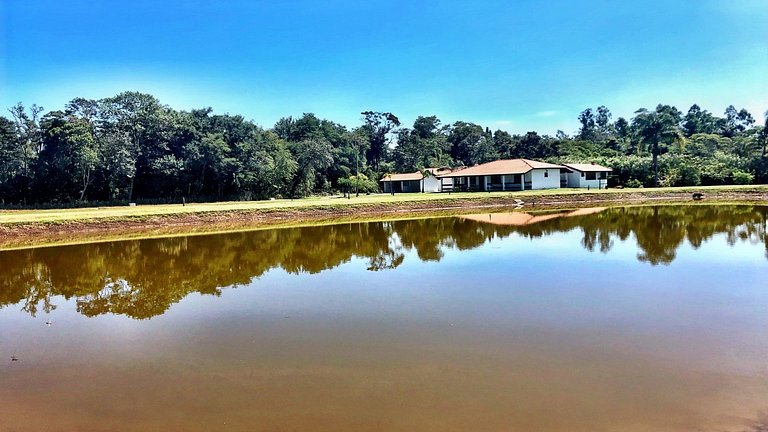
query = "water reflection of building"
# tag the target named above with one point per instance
(523, 218)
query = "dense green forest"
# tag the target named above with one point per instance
(131, 147)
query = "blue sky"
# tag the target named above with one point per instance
(515, 65)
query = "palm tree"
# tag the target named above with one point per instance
(657, 130)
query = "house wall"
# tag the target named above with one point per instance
(538, 181)
(578, 179)
(593, 184)
(431, 184)
(574, 179)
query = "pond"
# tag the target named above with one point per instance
(649, 318)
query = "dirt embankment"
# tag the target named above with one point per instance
(27, 234)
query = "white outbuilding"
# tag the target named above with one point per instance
(591, 176)
(419, 181)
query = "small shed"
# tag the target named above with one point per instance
(414, 182)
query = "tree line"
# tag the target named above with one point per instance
(131, 147)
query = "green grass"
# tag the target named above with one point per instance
(148, 211)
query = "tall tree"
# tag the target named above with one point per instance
(603, 123)
(421, 147)
(377, 126)
(534, 146)
(266, 167)
(71, 153)
(699, 121)
(484, 149)
(658, 130)
(8, 154)
(85, 109)
(587, 120)
(311, 156)
(141, 117)
(118, 163)
(28, 143)
(463, 137)
(735, 122)
(504, 144)
(209, 159)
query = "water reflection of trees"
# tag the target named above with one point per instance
(142, 278)
(660, 230)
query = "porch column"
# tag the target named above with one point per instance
(485, 183)
(503, 182)
(522, 182)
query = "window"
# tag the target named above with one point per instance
(495, 179)
(591, 176)
(546, 173)
(603, 175)
(582, 173)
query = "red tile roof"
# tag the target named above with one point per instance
(504, 166)
(415, 175)
(403, 177)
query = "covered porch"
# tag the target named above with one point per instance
(493, 183)
(400, 186)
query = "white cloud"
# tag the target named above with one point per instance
(549, 113)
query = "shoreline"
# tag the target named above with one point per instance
(210, 219)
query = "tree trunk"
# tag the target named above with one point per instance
(200, 191)
(85, 186)
(656, 169)
(130, 189)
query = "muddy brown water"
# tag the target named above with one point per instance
(620, 319)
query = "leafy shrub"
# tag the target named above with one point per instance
(672, 177)
(679, 170)
(742, 178)
(362, 182)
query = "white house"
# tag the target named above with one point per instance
(591, 176)
(505, 175)
(414, 182)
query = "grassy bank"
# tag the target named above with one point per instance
(19, 228)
